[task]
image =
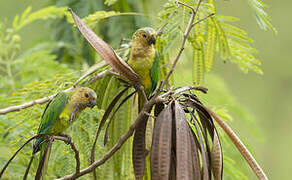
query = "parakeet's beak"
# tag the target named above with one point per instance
(152, 40)
(91, 103)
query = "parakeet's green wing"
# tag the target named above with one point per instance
(50, 115)
(52, 112)
(155, 72)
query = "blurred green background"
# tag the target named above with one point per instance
(268, 97)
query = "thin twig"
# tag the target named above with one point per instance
(197, 22)
(73, 147)
(160, 30)
(48, 98)
(28, 167)
(28, 104)
(240, 146)
(187, 88)
(190, 7)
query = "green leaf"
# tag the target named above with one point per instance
(222, 41)
(110, 2)
(198, 65)
(51, 12)
(210, 45)
(93, 19)
(263, 19)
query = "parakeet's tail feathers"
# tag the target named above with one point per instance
(43, 161)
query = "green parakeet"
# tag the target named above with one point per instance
(144, 61)
(59, 115)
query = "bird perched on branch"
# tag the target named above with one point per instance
(58, 116)
(144, 61)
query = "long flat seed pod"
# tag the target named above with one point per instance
(139, 152)
(216, 153)
(106, 51)
(148, 135)
(184, 167)
(160, 156)
(195, 156)
(207, 126)
(205, 164)
(216, 158)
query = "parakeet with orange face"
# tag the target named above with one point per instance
(144, 60)
(60, 114)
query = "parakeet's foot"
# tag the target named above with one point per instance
(72, 116)
(69, 139)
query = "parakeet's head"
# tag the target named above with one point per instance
(84, 96)
(144, 36)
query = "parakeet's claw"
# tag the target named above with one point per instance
(69, 139)
(72, 116)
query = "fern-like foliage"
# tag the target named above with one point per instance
(263, 19)
(216, 34)
(27, 17)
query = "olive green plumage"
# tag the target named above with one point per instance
(60, 113)
(144, 60)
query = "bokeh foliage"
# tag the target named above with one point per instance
(53, 65)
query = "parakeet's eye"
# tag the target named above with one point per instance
(144, 35)
(86, 95)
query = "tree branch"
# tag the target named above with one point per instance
(212, 14)
(28, 104)
(73, 147)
